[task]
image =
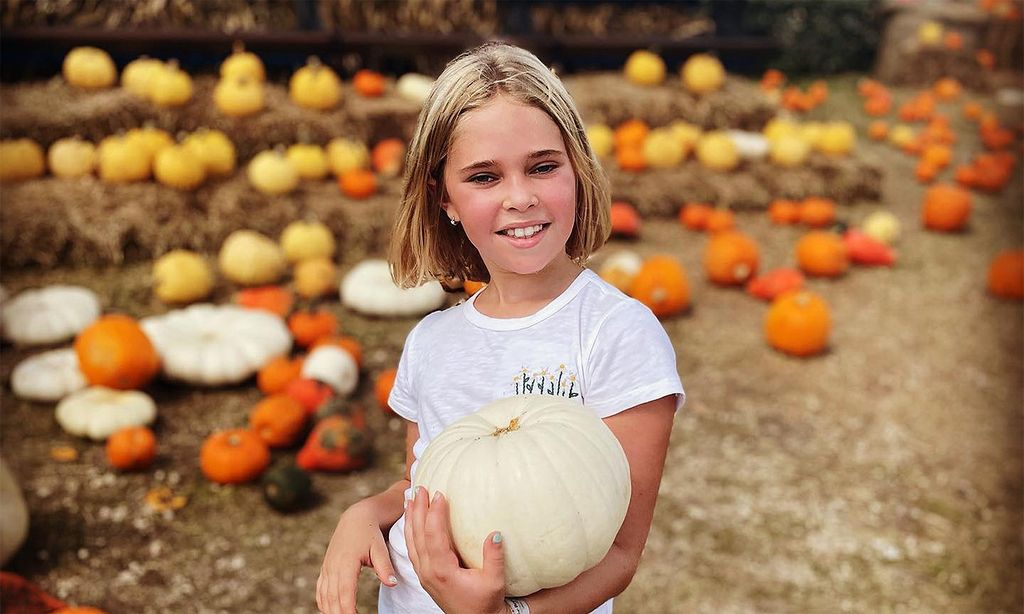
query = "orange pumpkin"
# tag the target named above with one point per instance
(625, 220)
(388, 156)
(798, 323)
(720, 220)
(358, 183)
(275, 299)
(631, 133)
(878, 130)
(115, 352)
(132, 447)
(972, 110)
(817, 212)
(382, 388)
(275, 376)
(661, 284)
(278, 420)
(308, 326)
(925, 171)
(631, 158)
(233, 456)
(336, 444)
(349, 344)
(310, 393)
(783, 212)
(695, 215)
(730, 258)
(822, 253)
(1006, 274)
(878, 105)
(946, 208)
(369, 83)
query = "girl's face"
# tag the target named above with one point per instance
(510, 183)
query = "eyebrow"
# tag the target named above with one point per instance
(544, 153)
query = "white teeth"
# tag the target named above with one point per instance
(522, 233)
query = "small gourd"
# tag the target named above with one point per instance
(837, 139)
(358, 183)
(214, 149)
(1005, 277)
(369, 289)
(334, 367)
(182, 276)
(124, 160)
(238, 96)
(171, 86)
(309, 160)
(336, 444)
(625, 220)
(703, 73)
(131, 448)
(251, 259)
(730, 258)
(49, 376)
(21, 159)
(48, 315)
(345, 155)
(644, 68)
(275, 376)
(114, 351)
(315, 86)
(89, 68)
(716, 151)
(137, 76)
(821, 253)
(662, 149)
(177, 167)
(72, 157)
(278, 420)
(798, 323)
(303, 240)
(271, 173)
(97, 412)
(750, 145)
(369, 83)
(242, 64)
(233, 456)
(315, 277)
(661, 284)
(388, 157)
(308, 327)
(788, 151)
(414, 87)
(946, 208)
(286, 487)
(883, 226)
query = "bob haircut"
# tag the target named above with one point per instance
(424, 245)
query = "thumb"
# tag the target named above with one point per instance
(380, 559)
(494, 556)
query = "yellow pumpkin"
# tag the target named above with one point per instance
(662, 149)
(837, 139)
(137, 76)
(150, 138)
(214, 148)
(238, 96)
(242, 64)
(315, 86)
(602, 139)
(271, 173)
(21, 159)
(89, 68)
(306, 240)
(171, 86)
(645, 68)
(251, 259)
(717, 151)
(812, 133)
(788, 151)
(686, 133)
(309, 159)
(316, 277)
(703, 73)
(178, 167)
(778, 127)
(123, 160)
(72, 157)
(930, 33)
(901, 135)
(345, 155)
(883, 226)
(181, 276)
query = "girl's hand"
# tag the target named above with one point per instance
(455, 589)
(357, 541)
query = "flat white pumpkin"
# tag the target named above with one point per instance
(98, 412)
(543, 470)
(751, 145)
(213, 345)
(368, 289)
(13, 514)
(49, 376)
(49, 315)
(333, 366)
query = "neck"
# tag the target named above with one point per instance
(514, 295)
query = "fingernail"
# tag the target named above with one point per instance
(496, 538)
(437, 496)
(392, 580)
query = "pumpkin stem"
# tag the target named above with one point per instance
(238, 47)
(513, 425)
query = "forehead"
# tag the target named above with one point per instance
(502, 125)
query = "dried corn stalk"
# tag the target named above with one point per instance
(603, 19)
(425, 16)
(219, 15)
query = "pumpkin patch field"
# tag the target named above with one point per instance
(848, 327)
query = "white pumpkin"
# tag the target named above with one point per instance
(751, 145)
(369, 289)
(543, 470)
(213, 345)
(98, 412)
(333, 366)
(49, 376)
(414, 87)
(13, 515)
(49, 315)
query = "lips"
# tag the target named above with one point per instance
(524, 236)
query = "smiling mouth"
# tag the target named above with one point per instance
(523, 233)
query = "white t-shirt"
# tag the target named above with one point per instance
(591, 343)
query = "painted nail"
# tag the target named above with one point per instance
(496, 538)
(392, 580)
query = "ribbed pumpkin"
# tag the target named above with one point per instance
(946, 208)
(798, 323)
(730, 258)
(661, 284)
(1006, 274)
(233, 456)
(822, 253)
(115, 352)
(546, 472)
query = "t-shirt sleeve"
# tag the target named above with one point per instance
(403, 392)
(631, 361)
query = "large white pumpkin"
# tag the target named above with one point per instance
(49, 376)
(98, 412)
(50, 314)
(369, 289)
(216, 344)
(544, 471)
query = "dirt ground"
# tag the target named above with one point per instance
(883, 476)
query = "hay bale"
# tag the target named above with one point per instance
(607, 97)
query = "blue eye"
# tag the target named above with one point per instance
(545, 168)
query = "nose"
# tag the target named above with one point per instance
(519, 195)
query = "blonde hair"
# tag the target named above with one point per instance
(424, 245)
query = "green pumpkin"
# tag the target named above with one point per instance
(286, 487)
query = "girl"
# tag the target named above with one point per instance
(502, 186)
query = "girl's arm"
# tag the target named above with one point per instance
(358, 541)
(643, 431)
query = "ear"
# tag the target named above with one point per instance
(442, 195)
